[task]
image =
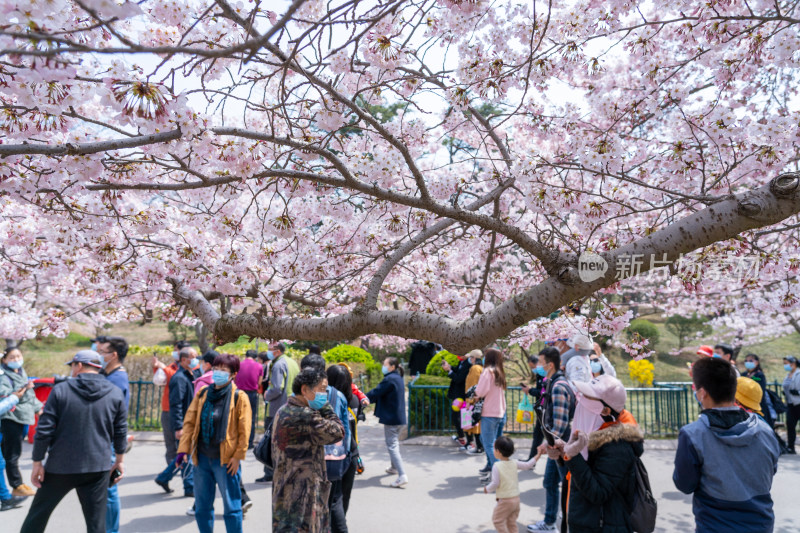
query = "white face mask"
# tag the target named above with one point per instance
(587, 417)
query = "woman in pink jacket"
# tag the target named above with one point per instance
(492, 388)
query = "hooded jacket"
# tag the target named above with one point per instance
(83, 418)
(728, 458)
(602, 488)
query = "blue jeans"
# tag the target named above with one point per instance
(553, 476)
(112, 505)
(491, 429)
(187, 472)
(5, 494)
(210, 474)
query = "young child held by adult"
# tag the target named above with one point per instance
(505, 483)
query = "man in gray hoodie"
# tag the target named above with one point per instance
(84, 417)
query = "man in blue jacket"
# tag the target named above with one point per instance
(181, 392)
(727, 458)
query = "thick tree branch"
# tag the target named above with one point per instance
(723, 220)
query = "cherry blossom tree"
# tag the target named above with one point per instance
(438, 169)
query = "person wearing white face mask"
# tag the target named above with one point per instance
(216, 432)
(13, 422)
(389, 398)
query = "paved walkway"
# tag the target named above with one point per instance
(443, 495)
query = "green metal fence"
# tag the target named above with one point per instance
(660, 410)
(144, 411)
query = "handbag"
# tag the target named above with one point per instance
(466, 417)
(525, 414)
(263, 450)
(337, 460)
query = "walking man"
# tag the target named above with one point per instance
(113, 350)
(181, 392)
(162, 374)
(83, 419)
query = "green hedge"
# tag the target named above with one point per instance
(429, 409)
(434, 367)
(347, 353)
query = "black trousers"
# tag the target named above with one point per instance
(792, 417)
(347, 483)
(92, 492)
(455, 418)
(336, 508)
(538, 439)
(267, 423)
(252, 395)
(13, 435)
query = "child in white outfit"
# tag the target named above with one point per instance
(505, 482)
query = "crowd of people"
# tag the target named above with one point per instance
(591, 444)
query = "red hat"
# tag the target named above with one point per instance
(705, 350)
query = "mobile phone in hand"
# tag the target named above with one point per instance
(115, 474)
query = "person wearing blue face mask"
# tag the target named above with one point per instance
(536, 390)
(791, 389)
(162, 374)
(301, 430)
(389, 398)
(13, 422)
(726, 353)
(113, 350)
(216, 433)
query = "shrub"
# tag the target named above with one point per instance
(346, 353)
(644, 329)
(684, 327)
(434, 367)
(641, 372)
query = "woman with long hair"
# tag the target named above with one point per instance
(492, 388)
(389, 398)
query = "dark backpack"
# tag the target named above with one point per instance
(643, 514)
(776, 401)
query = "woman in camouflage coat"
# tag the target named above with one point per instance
(301, 430)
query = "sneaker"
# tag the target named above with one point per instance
(485, 470)
(23, 490)
(187, 494)
(472, 450)
(391, 470)
(164, 486)
(462, 442)
(454, 437)
(399, 482)
(246, 505)
(265, 479)
(541, 525)
(190, 511)
(11, 503)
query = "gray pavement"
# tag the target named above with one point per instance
(443, 495)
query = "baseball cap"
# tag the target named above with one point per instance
(749, 394)
(88, 357)
(790, 359)
(606, 388)
(705, 350)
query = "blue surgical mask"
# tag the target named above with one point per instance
(540, 370)
(220, 377)
(385, 369)
(175, 356)
(716, 356)
(194, 362)
(14, 365)
(270, 355)
(94, 346)
(103, 362)
(786, 367)
(596, 367)
(749, 365)
(319, 400)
